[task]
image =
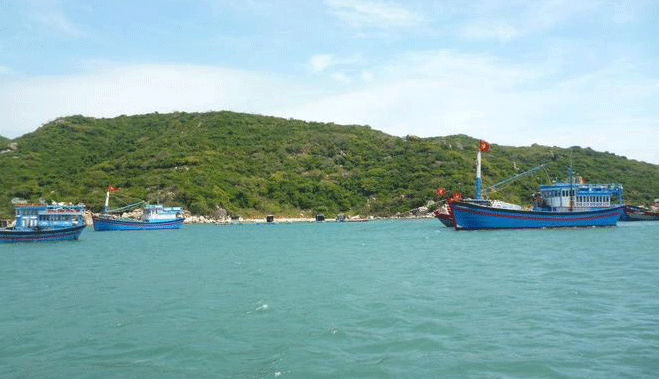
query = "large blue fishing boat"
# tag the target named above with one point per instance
(568, 204)
(444, 214)
(45, 222)
(154, 216)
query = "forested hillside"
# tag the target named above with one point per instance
(255, 165)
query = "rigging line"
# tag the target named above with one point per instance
(544, 169)
(125, 207)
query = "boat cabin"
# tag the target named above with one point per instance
(30, 216)
(565, 197)
(157, 212)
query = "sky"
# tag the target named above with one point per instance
(552, 72)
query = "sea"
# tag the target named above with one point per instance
(378, 299)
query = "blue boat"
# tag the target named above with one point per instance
(45, 222)
(558, 205)
(473, 216)
(154, 216)
(445, 217)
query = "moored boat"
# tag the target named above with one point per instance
(473, 216)
(444, 215)
(633, 213)
(36, 222)
(557, 205)
(154, 216)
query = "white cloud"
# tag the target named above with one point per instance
(341, 77)
(505, 20)
(502, 32)
(111, 91)
(367, 76)
(429, 93)
(58, 21)
(442, 93)
(549, 13)
(51, 14)
(320, 62)
(378, 14)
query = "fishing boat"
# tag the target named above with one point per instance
(634, 213)
(566, 204)
(154, 216)
(45, 222)
(444, 214)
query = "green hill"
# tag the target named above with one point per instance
(254, 165)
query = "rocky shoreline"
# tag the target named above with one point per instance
(195, 219)
(221, 217)
(288, 220)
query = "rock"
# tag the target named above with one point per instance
(219, 213)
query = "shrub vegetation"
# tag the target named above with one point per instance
(254, 165)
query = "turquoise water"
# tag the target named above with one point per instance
(383, 299)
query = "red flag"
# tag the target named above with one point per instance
(440, 191)
(112, 188)
(483, 146)
(457, 196)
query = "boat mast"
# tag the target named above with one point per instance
(479, 182)
(107, 201)
(570, 196)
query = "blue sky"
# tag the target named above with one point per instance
(552, 72)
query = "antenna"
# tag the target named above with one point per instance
(571, 196)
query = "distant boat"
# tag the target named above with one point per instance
(45, 222)
(154, 216)
(558, 205)
(633, 213)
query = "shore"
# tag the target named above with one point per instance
(289, 220)
(276, 220)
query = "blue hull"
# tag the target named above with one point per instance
(63, 234)
(105, 224)
(471, 216)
